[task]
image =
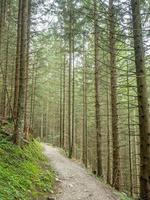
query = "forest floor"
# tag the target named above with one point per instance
(76, 183)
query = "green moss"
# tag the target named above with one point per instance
(24, 173)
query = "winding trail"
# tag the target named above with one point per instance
(76, 182)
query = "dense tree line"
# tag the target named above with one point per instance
(76, 74)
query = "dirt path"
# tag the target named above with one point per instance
(76, 183)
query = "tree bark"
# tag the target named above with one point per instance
(26, 117)
(144, 121)
(73, 90)
(3, 31)
(64, 103)
(108, 134)
(19, 125)
(60, 110)
(84, 156)
(5, 78)
(69, 89)
(115, 134)
(17, 68)
(97, 90)
(129, 132)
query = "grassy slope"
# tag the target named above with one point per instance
(21, 172)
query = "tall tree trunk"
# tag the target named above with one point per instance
(1, 8)
(144, 120)
(17, 68)
(84, 156)
(60, 114)
(26, 123)
(5, 78)
(73, 90)
(1, 27)
(3, 31)
(129, 131)
(64, 103)
(32, 109)
(70, 73)
(108, 134)
(42, 125)
(97, 90)
(115, 134)
(32, 95)
(19, 125)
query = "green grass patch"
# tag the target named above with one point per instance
(124, 196)
(24, 173)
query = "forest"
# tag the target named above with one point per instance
(75, 74)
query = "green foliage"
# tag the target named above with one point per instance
(123, 196)
(21, 171)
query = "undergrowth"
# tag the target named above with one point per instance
(124, 196)
(24, 173)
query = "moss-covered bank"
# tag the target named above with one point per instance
(24, 173)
